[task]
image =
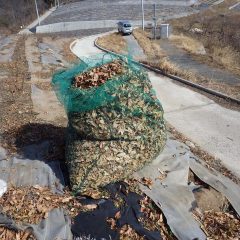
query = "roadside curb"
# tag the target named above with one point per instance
(173, 77)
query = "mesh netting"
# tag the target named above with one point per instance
(115, 128)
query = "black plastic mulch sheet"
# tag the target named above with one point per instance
(94, 224)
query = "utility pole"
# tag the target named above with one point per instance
(142, 15)
(37, 12)
(154, 20)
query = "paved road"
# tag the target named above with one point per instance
(214, 128)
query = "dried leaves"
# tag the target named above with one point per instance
(147, 182)
(126, 233)
(99, 75)
(220, 225)
(7, 234)
(30, 205)
(16, 105)
(153, 218)
(96, 163)
(111, 141)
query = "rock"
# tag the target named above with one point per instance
(209, 199)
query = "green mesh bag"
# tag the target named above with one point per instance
(115, 128)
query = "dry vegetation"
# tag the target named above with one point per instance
(161, 62)
(32, 204)
(227, 57)
(169, 68)
(16, 13)
(113, 42)
(187, 43)
(10, 234)
(156, 57)
(68, 55)
(151, 48)
(219, 33)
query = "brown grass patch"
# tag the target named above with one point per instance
(189, 44)
(113, 42)
(227, 57)
(220, 34)
(168, 67)
(67, 54)
(150, 47)
(46, 86)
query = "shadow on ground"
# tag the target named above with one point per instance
(39, 141)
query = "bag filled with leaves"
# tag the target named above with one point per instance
(116, 122)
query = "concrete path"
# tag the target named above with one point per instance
(181, 58)
(45, 102)
(214, 128)
(134, 49)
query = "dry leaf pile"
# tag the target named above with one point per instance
(221, 225)
(97, 163)
(120, 134)
(126, 233)
(8, 234)
(98, 76)
(154, 219)
(129, 111)
(31, 205)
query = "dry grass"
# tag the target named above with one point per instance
(157, 58)
(220, 35)
(113, 42)
(189, 44)
(151, 48)
(46, 86)
(226, 57)
(67, 54)
(168, 67)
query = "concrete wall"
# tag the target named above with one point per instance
(80, 25)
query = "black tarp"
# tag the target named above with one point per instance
(94, 223)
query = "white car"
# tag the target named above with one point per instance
(125, 27)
